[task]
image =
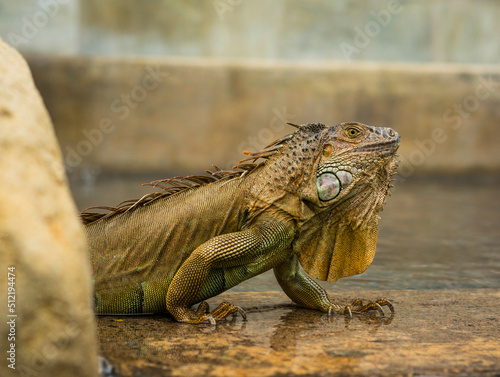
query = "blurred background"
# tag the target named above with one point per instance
(145, 90)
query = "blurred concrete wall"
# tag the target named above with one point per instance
(41, 26)
(178, 85)
(454, 31)
(410, 31)
(184, 114)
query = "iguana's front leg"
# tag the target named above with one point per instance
(227, 250)
(305, 291)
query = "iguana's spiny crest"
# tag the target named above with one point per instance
(321, 164)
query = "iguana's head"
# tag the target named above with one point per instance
(326, 166)
(333, 181)
(351, 158)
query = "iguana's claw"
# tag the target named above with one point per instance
(242, 313)
(221, 312)
(380, 310)
(347, 311)
(211, 320)
(384, 302)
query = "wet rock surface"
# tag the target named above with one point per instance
(433, 332)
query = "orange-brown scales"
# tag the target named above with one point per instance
(312, 200)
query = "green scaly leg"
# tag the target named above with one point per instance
(305, 291)
(227, 250)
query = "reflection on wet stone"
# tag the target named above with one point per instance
(433, 330)
(437, 261)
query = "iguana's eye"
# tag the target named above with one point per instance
(327, 150)
(352, 132)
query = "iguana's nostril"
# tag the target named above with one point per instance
(391, 132)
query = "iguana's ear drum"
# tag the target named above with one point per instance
(328, 186)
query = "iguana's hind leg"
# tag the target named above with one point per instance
(228, 250)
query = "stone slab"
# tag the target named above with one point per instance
(433, 333)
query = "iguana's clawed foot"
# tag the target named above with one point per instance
(221, 312)
(357, 306)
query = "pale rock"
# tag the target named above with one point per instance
(40, 235)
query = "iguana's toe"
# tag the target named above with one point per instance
(221, 312)
(357, 306)
(385, 302)
(202, 309)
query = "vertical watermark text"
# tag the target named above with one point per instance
(11, 317)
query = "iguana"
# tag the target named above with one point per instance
(311, 201)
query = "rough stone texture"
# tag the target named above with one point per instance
(433, 333)
(182, 115)
(40, 236)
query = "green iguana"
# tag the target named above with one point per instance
(313, 201)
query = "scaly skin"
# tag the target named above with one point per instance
(313, 202)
